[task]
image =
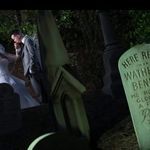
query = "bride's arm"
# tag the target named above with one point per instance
(12, 58)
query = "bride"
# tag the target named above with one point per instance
(18, 85)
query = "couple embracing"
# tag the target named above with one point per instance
(27, 52)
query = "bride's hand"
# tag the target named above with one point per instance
(17, 46)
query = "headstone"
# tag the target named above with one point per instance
(134, 67)
(10, 111)
(55, 51)
(68, 104)
(10, 117)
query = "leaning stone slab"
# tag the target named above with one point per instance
(134, 67)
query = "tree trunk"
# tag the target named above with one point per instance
(18, 17)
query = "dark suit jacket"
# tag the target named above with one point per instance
(29, 59)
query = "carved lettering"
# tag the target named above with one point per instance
(129, 61)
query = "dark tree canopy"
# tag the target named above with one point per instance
(81, 33)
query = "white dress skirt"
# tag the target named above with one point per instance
(26, 100)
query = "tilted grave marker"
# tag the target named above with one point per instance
(68, 104)
(134, 67)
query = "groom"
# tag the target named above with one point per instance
(25, 49)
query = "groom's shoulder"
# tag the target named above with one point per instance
(29, 40)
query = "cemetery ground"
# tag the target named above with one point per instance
(111, 129)
(120, 137)
(37, 122)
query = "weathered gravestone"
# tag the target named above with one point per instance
(134, 67)
(10, 117)
(68, 104)
(10, 111)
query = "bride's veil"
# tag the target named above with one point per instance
(2, 49)
(11, 57)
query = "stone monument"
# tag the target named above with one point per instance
(134, 67)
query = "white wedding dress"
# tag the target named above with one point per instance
(26, 99)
